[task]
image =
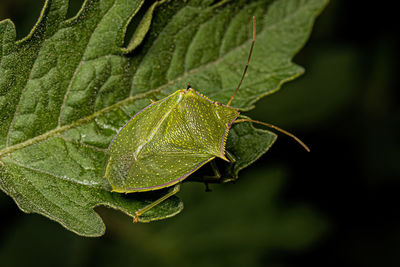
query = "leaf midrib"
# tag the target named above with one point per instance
(69, 179)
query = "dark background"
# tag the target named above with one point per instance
(335, 206)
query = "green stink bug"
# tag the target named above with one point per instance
(170, 139)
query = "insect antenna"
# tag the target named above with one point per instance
(248, 61)
(278, 129)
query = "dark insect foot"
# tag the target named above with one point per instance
(207, 188)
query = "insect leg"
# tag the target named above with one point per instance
(230, 156)
(232, 160)
(155, 203)
(217, 174)
(215, 177)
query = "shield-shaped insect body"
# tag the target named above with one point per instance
(167, 141)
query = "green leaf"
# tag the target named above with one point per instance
(242, 137)
(68, 87)
(141, 30)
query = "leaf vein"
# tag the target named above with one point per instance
(68, 179)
